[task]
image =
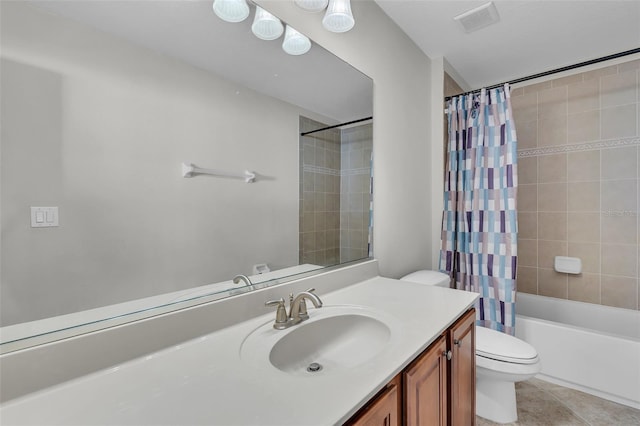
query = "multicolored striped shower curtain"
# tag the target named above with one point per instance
(479, 223)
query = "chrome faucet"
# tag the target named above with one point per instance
(297, 309)
(244, 278)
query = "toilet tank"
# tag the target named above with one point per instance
(424, 276)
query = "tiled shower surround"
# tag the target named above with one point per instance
(355, 191)
(579, 156)
(334, 193)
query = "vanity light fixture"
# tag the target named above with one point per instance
(338, 18)
(231, 10)
(266, 26)
(312, 5)
(295, 43)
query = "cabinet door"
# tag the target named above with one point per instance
(383, 410)
(462, 396)
(425, 387)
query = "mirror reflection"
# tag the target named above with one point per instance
(103, 101)
(336, 193)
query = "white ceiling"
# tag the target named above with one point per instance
(532, 36)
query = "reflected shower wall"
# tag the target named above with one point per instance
(355, 192)
(335, 174)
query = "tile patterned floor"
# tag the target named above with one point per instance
(544, 404)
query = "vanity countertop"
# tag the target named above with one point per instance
(205, 381)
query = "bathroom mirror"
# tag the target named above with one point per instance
(103, 102)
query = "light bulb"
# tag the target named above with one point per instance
(312, 5)
(338, 18)
(266, 26)
(231, 10)
(295, 43)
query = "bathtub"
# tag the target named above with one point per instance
(592, 348)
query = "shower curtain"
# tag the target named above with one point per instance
(479, 223)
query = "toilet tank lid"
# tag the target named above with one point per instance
(428, 277)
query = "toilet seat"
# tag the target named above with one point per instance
(501, 361)
(497, 346)
(507, 370)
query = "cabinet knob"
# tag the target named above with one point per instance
(457, 342)
(447, 354)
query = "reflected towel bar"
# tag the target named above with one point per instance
(190, 170)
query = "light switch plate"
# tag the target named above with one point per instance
(44, 217)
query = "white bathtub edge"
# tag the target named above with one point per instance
(593, 362)
(589, 390)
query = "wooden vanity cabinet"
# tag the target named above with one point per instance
(462, 371)
(425, 387)
(437, 388)
(440, 385)
(384, 409)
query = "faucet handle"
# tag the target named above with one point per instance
(281, 313)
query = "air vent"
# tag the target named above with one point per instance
(480, 17)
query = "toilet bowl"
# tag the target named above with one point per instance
(501, 360)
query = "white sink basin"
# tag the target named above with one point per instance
(332, 340)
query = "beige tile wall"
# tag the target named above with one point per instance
(451, 88)
(335, 170)
(320, 164)
(357, 145)
(579, 156)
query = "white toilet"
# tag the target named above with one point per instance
(501, 360)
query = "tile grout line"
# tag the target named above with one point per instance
(575, 413)
(600, 196)
(537, 196)
(566, 186)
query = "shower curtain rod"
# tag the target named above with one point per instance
(557, 70)
(336, 125)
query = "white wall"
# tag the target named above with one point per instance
(436, 162)
(100, 128)
(401, 127)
